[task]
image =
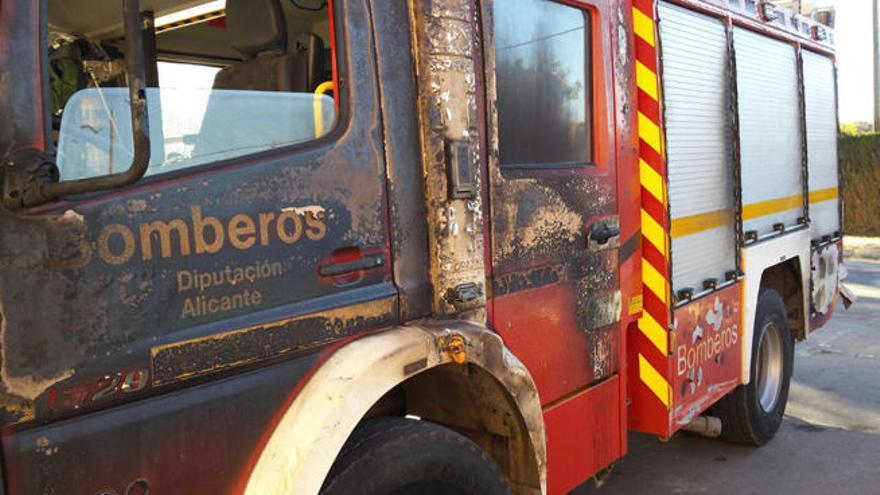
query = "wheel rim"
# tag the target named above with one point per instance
(769, 367)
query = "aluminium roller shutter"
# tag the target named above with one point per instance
(821, 112)
(697, 121)
(770, 132)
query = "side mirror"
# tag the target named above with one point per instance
(28, 184)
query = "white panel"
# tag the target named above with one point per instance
(698, 136)
(821, 111)
(770, 128)
(756, 259)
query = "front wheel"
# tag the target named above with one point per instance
(752, 414)
(398, 456)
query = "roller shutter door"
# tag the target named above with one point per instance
(699, 136)
(770, 132)
(821, 112)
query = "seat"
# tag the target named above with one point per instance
(257, 30)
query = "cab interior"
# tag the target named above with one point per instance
(224, 78)
(265, 45)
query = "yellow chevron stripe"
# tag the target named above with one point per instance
(653, 232)
(701, 222)
(824, 195)
(649, 132)
(654, 332)
(654, 380)
(654, 280)
(646, 79)
(643, 26)
(651, 181)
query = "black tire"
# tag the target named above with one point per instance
(744, 419)
(398, 456)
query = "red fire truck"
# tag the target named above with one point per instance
(428, 246)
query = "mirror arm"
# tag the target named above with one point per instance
(31, 191)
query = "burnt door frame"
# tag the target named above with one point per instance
(555, 292)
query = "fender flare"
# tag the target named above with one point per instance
(757, 259)
(305, 442)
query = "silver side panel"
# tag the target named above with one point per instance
(699, 136)
(821, 111)
(770, 131)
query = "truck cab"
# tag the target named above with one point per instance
(314, 246)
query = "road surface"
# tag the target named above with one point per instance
(829, 442)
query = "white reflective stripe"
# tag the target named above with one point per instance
(698, 136)
(770, 130)
(821, 111)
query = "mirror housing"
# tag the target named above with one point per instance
(30, 178)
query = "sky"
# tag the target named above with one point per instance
(855, 69)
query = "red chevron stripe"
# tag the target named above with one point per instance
(646, 6)
(657, 261)
(653, 355)
(649, 107)
(646, 54)
(652, 158)
(654, 208)
(655, 307)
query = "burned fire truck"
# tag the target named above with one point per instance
(428, 246)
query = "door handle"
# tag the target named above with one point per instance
(366, 263)
(601, 233)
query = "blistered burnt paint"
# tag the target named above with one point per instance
(88, 288)
(707, 353)
(36, 297)
(196, 440)
(444, 40)
(188, 359)
(541, 221)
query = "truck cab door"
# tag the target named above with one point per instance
(163, 296)
(555, 231)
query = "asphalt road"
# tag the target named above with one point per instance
(829, 442)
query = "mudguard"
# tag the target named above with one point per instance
(306, 440)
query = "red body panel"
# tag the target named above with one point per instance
(547, 340)
(707, 355)
(582, 436)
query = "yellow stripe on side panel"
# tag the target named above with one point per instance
(646, 79)
(643, 26)
(654, 332)
(650, 133)
(771, 206)
(694, 224)
(824, 195)
(654, 380)
(654, 280)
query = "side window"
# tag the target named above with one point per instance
(543, 82)
(229, 79)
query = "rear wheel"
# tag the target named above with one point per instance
(397, 456)
(752, 414)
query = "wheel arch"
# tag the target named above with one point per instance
(782, 264)
(490, 398)
(785, 279)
